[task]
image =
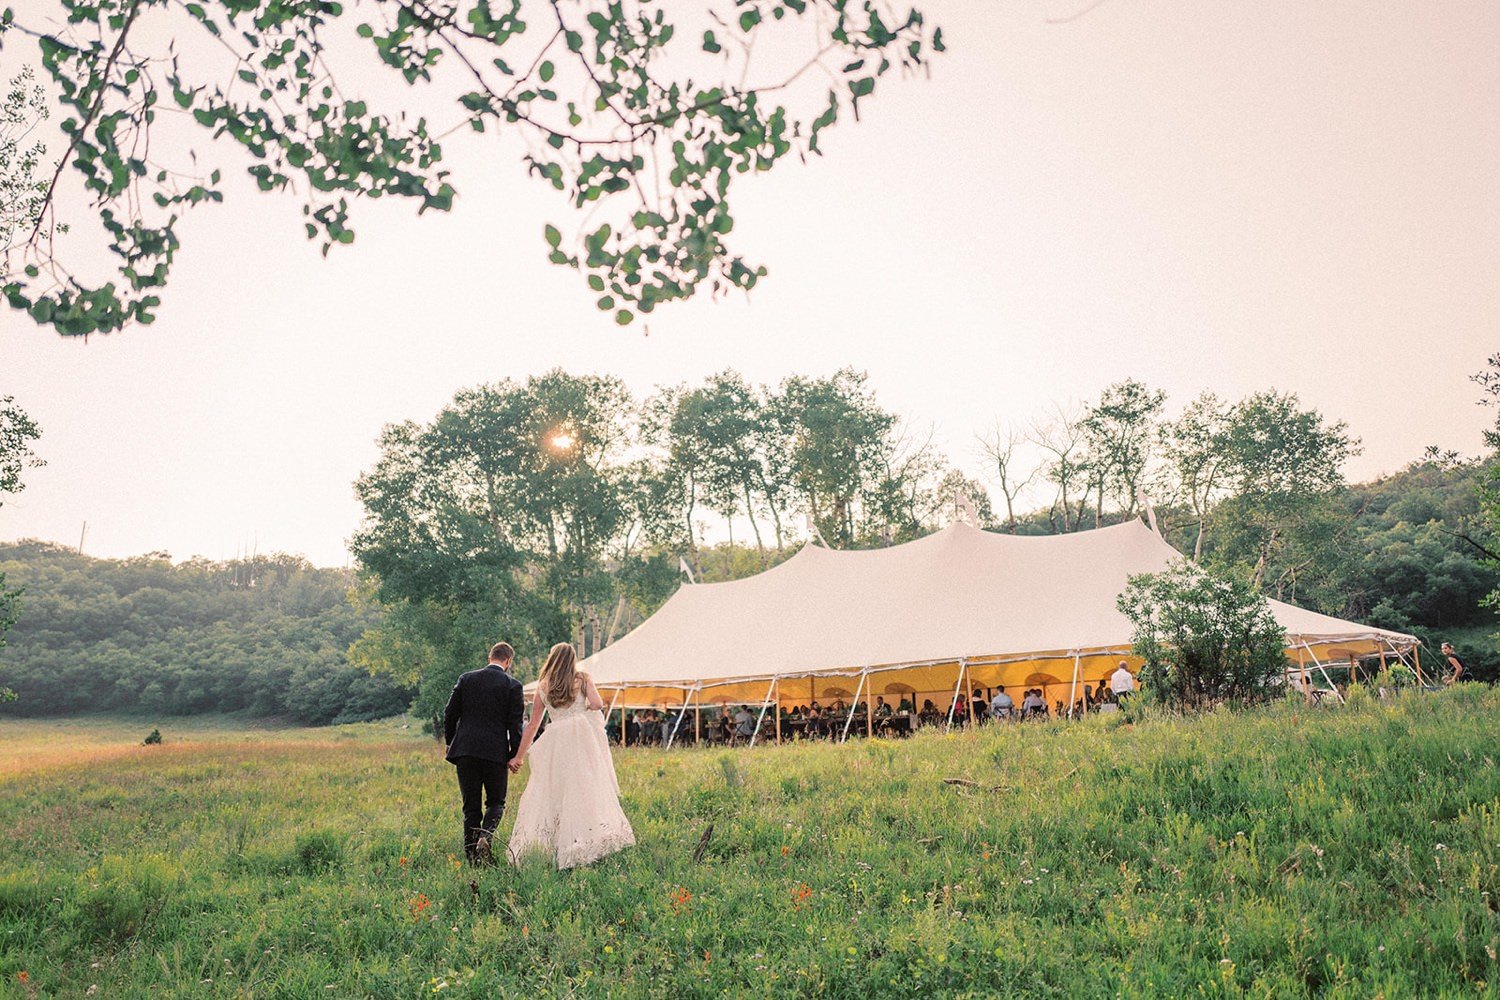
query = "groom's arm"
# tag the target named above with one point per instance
(515, 709)
(451, 714)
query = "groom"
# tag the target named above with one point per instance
(482, 728)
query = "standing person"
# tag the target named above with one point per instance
(482, 729)
(1122, 682)
(571, 806)
(1454, 663)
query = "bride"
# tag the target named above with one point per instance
(570, 808)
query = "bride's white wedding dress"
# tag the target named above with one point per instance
(570, 808)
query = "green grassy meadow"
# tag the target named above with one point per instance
(1281, 852)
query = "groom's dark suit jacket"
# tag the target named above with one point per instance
(483, 717)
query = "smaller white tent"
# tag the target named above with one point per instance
(1002, 610)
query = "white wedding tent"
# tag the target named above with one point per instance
(918, 619)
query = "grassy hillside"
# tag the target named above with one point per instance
(1283, 852)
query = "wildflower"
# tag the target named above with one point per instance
(24, 976)
(680, 899)
(800, 892)
(403, 861)
(609, 949)
(785, 850)
(418, 905)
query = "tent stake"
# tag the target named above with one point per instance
(849, 719)
(963, 665)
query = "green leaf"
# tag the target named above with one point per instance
(624, 316)
(554, 237)
(749, 19)
(546, 70)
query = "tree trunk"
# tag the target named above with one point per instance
(750, 511)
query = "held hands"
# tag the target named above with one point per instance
(516, 763)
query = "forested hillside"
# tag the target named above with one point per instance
(267, 636)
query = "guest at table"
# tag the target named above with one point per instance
(839, 708)
(929, 714)
(744, 723)
(817, 726)
(960, 711)
(882, 710)
(1033, 704)
(1002, 707)
(978, 707)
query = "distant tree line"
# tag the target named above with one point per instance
(563, 508)
(268, 636)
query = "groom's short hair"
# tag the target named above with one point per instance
(501, 652)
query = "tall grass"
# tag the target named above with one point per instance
(1281, 852)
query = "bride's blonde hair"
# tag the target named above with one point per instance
(559, 674)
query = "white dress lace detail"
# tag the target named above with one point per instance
(570, 808)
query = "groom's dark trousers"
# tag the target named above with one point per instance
(482, 727)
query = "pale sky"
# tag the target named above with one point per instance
(1210, 196)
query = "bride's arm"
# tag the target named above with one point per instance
(531, 728)
(592, 694)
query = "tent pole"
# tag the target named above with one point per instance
(1073, 691)
(777, 681)
(1324, 671)
(849, 719)
(697, 723)
(686, 699)
(963, 665)
(770, 689)
(1416, 655)
(611, 711)
(870, 712)
(676, 726)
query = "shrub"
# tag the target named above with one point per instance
(1205, 638)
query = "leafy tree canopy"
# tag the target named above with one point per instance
(644, 110)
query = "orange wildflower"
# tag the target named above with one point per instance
(800, 893)
(24, 976)
(419, 905)
(680, 899)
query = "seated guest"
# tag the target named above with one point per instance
(744, 723)
(726, 724)
(839, 708)
(929, 714)
(1102, 693)
(612, 729)
(978, 707)
(1002, 707)
(1033, 704)
(882, 710)
(960, 711)
(816, 726)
